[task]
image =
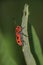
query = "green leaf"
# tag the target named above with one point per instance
(37, 46)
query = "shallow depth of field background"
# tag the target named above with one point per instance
(10, 16)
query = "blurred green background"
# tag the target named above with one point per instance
(10, 16)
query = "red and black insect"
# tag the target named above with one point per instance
(18, 35)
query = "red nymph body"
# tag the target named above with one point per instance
(18, 35)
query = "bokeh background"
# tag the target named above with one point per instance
(10, 16)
